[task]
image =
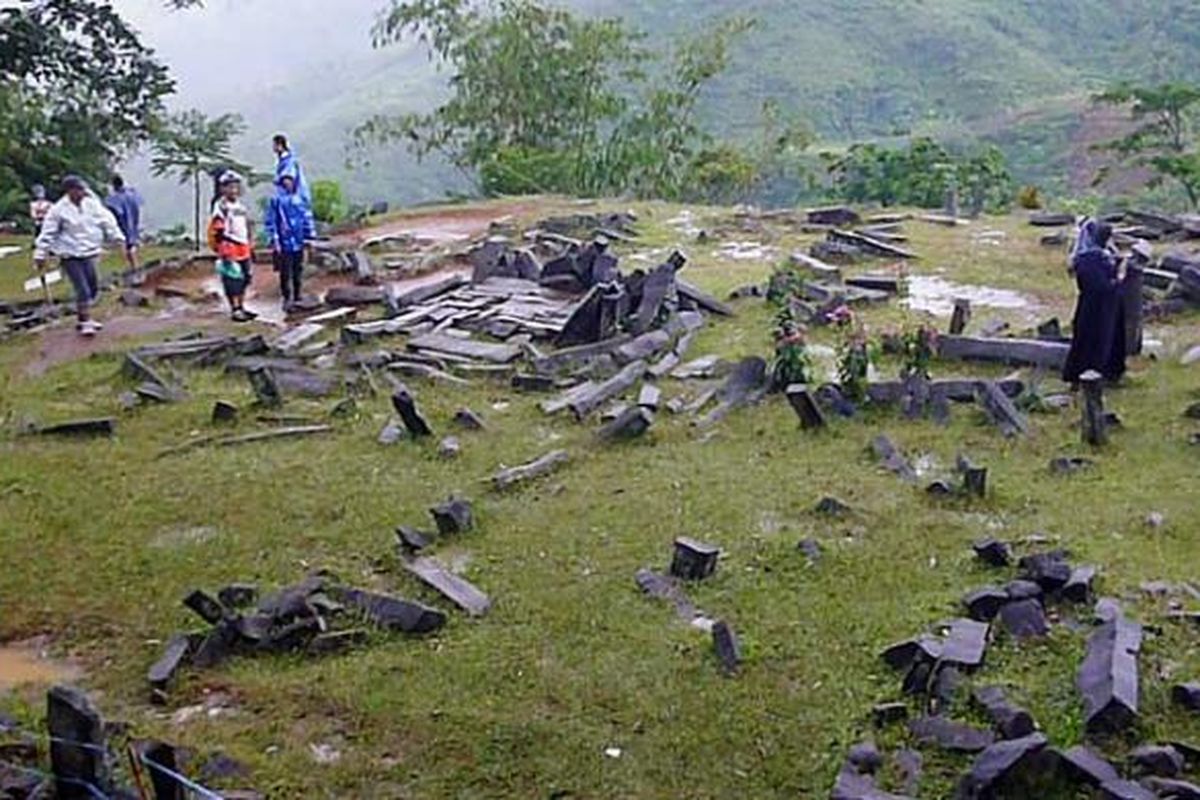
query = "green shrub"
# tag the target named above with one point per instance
(329, 205)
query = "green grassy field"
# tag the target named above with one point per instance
(101, 539)
(17, 268)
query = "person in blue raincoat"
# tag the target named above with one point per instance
(1098, 331)
(290, 226)
(288, 166)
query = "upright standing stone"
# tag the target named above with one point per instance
(78, 755)
(406, 406)
(163, 755)
(725, 642)
(805, 407)
(1131, 297)
(1094, 423)
(694, 560)
(961, 316)
(265, 387)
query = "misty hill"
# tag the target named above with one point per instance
(1016, 72)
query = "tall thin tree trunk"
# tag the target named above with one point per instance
(196, 198)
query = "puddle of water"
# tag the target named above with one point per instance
(937, 295)
(746, 251)
(23, 664)
(685, 223)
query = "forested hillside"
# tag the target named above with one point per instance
(1014, 72)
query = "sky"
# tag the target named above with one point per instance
(268, 41)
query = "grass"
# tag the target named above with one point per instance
(17, 268)
(100, 540)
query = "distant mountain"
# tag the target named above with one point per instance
(1016, 72)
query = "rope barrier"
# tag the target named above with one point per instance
(190, 785)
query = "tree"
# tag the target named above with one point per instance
(189, 144)
(920, 175)
(544, 101)
(77, 90)
(1165, 136)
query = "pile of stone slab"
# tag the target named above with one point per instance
(316, 616)
(1011, 754)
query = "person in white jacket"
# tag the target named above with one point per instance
(75, 230)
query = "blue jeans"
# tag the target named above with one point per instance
(82, 273)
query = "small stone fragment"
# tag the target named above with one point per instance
(694, 560)
(1070, 465)
(1084, 766)
(1186, 695)
(468, 420)
(629, 424)
(174, 654)
(1173, 789)
(453, 516)
(865, 758)
(1079, 588)
(224, 412)
(993, 553)
(412, 540)
(1011, 721)
(950, 735)
(811, 549)
(205, 606)
(1163, 761)
(885, 714)
(391, 433)
(238, 595)
(833, 507)
(908, 765)
(984, 604)
(1022, 590)
(1048, 570)
(449, 448)
(1024, 619)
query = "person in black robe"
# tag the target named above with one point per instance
(1098, 331)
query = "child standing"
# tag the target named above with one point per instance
(290, 225)
(230, 236)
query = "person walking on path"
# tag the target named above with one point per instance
(1098, 330)
(290, 225)
(126, 206)
(287, 165)
(231, 235)
(75, 229)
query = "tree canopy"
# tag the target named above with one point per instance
(77, 88)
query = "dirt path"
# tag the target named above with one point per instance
(205, 307)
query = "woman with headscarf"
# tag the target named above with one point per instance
(1098, 332)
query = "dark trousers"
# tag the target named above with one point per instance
(291, 274)
(82, 274)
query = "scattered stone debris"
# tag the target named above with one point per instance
(949, 735)
(993, 553)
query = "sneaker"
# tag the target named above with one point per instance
(87, 329)
(96, 326)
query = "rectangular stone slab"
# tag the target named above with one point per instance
(997, 762)
(174, 654)
(394, 613)
(456, 589)
(540, 467)
(467, 348)
(1108, 676)
(1018, 352)
(966, 643)
(587, 403)
(84, 427)
(1086, 766)
(950, 735)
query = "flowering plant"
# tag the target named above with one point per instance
(918, 346)
(792, 361)
(855, 354)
